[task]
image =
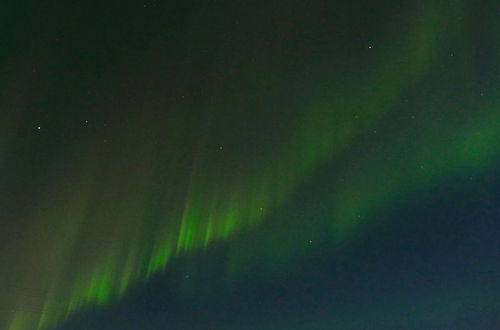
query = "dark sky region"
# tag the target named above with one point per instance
(260, 165)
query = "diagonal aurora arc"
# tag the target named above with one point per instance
(93, 259)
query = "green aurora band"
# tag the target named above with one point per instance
(92, 259)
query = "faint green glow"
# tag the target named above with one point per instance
(20, 321)
(218, 205)
(468, 149)
(328, 128)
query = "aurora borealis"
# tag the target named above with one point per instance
(250, 165)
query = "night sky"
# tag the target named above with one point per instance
(249, 165)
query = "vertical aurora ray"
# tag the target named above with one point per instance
(129, 209)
